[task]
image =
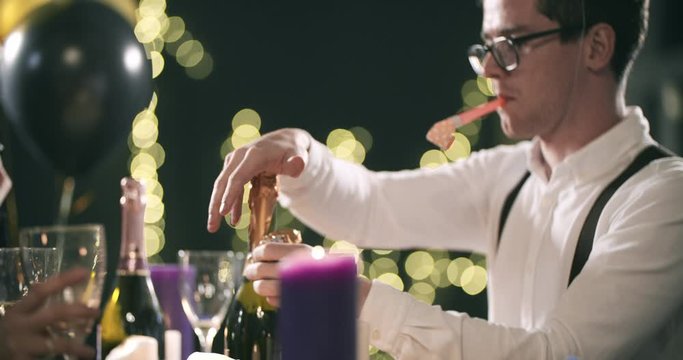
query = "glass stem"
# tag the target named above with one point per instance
(206, 337)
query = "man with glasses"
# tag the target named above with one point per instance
(582, 224)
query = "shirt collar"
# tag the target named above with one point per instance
(623, 141)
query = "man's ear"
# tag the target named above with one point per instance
(599, 43)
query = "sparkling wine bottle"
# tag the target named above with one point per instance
(249, 327)
(133, 308)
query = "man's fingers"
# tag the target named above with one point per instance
(40, 292)
(61, 313)
(267, 288)
(214, 220)
(64, 345)
(273, 300)
(261, 270)
(276, 251)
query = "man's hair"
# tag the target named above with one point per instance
(628, 18)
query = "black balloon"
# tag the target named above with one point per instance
(73, 77)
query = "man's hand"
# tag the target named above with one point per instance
(263, 269)
(24, 328)
(283, 152)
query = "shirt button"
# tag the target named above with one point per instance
(375, 335)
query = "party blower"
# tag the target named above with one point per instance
(441, 133)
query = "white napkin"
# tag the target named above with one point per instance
(207, 356)
(136, 347)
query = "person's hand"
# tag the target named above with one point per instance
(283, 151)
(263, 268)
(24, 328)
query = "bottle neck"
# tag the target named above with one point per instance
(133, 255)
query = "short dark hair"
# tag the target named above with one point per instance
(628, 18)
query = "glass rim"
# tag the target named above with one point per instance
(55, 228)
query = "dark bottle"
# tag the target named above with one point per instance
(133, 308)
(249, 326)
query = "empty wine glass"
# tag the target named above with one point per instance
(76, 246)
(207, 282)
(12, 281)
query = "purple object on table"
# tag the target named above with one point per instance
(165, 279)
(317, 316)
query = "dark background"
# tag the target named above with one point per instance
(393, 67)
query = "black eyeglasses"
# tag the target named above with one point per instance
(504, 50)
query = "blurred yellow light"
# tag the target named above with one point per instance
(470, 129)
(361, 266)
(174, 30)
(152, 186)
(147, 29)
(460, 148)
(243, 135)
(238, 244)
(143, 171)
(157, 152)
(363, 136)
(433, 159)
(243, 223)
(157, 63)
(147, 114)
(474, 280)
(359, 152)
(470, 86)
(190, 53)
(439, 276)
(419, 265)
(246, 117)
(382, 266)
(203, 69)
(283, 217)
(474, 98)
(246, 132)
(382, 252)
(172, 47)
(392, 280)
(423, 292)
(143, 159)
(345, 148)
(345, 247)
(337, 136)
(154, 214)
(485, 86)
(154, 240)
(456, 268)
(152, 8)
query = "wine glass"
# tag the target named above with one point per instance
(76, 246)
(38, 264)
(207, 281)
(12, 281)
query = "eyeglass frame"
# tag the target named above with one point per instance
(514, 42)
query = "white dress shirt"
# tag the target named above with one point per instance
(625, 303)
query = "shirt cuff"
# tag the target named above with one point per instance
(385, 310)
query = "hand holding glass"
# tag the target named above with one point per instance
(77, 246)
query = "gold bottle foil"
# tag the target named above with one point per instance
(262, 200)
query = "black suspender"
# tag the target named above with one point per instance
(585, 243)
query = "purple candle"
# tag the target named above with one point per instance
(165, 279)
(317, 317)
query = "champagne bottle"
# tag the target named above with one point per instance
(133, 308)
(249, 326)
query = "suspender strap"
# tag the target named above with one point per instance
(585, 243)
(508, 205)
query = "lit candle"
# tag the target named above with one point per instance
(317, 317)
